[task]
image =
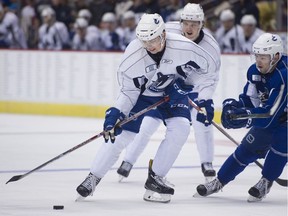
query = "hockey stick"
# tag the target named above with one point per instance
(136, 115)
(282, 182)
(262, 115)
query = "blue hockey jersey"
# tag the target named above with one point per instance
(261, 92)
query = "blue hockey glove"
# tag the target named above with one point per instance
(177, 91)
(112, 117)
(207, 114)
(229, 104)
(228, 122)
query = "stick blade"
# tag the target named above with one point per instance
(15, 178)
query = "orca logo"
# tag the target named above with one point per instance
(274, 38)
(156, 21)
(161, 83)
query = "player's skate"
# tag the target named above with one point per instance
(87, 187)
(157, 189)
(124, 170)
(209, 188)
(208, 171)
(259, 191)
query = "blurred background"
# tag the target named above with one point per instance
(60, 57)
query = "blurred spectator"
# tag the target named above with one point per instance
(243, 7)
(227, 35)
(99, 7)
(30, 23)
(53, 35)
(145, 6)
(86, 14)
(83, 39)
(129, 26)
(176, 16)
(250, 32)
(167, 8)
(80, 4)
(122, 6)
(112, 35)
(11, 34)
(63, 12)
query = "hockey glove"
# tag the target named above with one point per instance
(177, 91)
(228, 121)
(207, 114)
(228, 104)
(112, 117)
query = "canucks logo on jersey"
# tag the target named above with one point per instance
(161, 82)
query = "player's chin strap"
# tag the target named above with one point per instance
(282, 182)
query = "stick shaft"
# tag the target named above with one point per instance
(16, 178)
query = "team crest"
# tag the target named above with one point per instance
(161, 82)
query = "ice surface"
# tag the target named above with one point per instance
(27, 141)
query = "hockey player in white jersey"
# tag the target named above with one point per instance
(129, 23)
(228, 34)
(111, 34)
(86, 14)
(191, 25)
(83, 39)
(53, 35)
(155, 64)
(250, 33)
(11, 34)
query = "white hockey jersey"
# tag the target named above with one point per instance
(247, 43)
(11, 32)
(91, 41)
(53, 37)
(112, 40)
(138, 72)
(206, 88)
(128, 36)
(229, 42)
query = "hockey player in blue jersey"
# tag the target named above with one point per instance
(264, 93)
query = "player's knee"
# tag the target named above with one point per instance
(279, 153)
(243, 156)
(179, 128)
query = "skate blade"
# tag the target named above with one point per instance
(253, 199)
(197, 195)
(79, 198)
(152, 196)
(120, 179)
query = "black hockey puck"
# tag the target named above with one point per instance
(58, 207)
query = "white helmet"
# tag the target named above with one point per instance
(109, 17)
(81, 23)
(128, 15)
(85, 13)
(268, 44)
(48, 11)
(248, 19)
(227, 15)
(149, 27)
(193, 12)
